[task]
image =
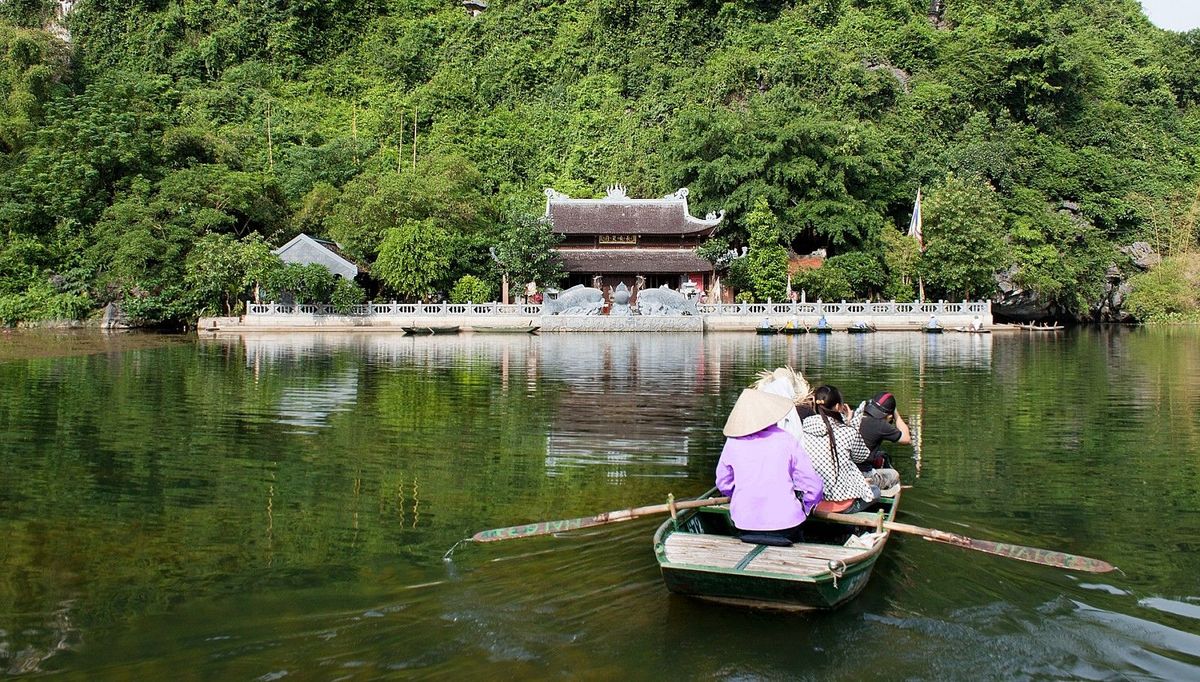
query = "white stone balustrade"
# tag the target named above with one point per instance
(884, 315)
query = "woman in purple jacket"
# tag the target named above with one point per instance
(766, 471)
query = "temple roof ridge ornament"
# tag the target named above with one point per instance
(680, 194)
(616, 193)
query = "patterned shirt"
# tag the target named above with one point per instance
(839, 470)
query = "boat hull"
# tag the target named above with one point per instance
(416, 331)
(766, 331)
(793, 330)
(769, 592)
(760, 579)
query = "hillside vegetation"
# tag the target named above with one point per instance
(170, 135)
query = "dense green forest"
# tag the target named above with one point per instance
(154, 157)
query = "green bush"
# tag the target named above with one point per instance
(42, 302)
(310, 283)
(744, 297)
(862, 271)
(346, 293)
(1169, 292)
(824, 284)
(471, 289)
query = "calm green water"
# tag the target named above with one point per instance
(277, 507)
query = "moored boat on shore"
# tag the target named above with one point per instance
(430, 330)
(483, 329)
(700, 556)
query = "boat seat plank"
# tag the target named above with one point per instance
(723, 551)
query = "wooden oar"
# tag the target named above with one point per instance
(547, 527)
(1034, 555)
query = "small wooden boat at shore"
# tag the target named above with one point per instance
(1043, 328)
(794, 330)
(415, 331)
(860, 330)
(504, 330)
(968, 330)
(765, 331)
(933, 330)
(822, 330)
(700, 556)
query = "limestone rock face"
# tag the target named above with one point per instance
(1142, 254)
(1015, 303)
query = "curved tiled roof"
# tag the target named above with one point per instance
(618, 214)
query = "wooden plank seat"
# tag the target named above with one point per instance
(723, 551)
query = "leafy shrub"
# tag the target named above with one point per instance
(471, 289)
(824, 283)
(862, 271)
(346, 293)
(311, 283)
(744, 297)
(1169, 292)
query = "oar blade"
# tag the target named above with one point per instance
(533, 529)
(1034, 555)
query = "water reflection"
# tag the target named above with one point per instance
(251, 507)
(619, 398)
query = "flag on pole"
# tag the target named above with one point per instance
(915, 226)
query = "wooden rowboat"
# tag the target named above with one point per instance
(793, 330)
(700, 556)
(430, 330)
(860, 330)
(822, 330)
(505, 330)
(1035, 328)
(765, 331)
(933, 330)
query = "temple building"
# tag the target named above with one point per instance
(617, 239)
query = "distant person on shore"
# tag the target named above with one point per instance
(766, 472)
(879, 421)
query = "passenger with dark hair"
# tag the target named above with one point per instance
(835, 449)
(879, 421)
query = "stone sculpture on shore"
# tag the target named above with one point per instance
(665, 301)
(578, 300)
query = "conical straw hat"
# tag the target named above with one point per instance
(754, 411)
